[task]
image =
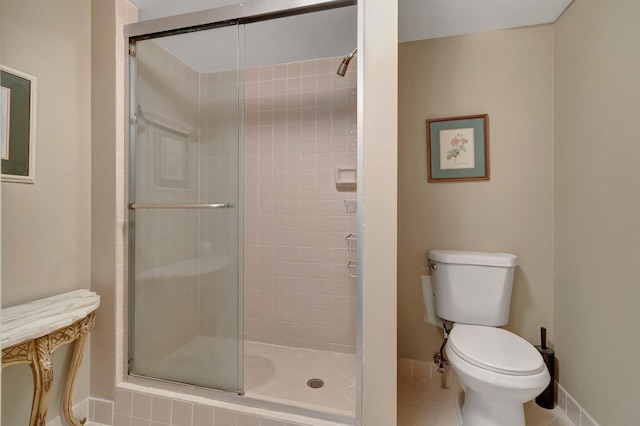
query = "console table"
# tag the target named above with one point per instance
(32, 331)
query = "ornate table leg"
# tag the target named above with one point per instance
(26, 353)
(37, 390)
(42, 369)
(81, 329)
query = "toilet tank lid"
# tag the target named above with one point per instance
(473, 258)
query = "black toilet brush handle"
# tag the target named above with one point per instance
(547, 398)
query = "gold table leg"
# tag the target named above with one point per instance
(42, 369)
(37, 391)
(76, 359)
(80, 332)
(27, 353)
(37, 353)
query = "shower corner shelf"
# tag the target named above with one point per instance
(351, 205)
(352, 242)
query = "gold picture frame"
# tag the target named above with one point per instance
(458, 148)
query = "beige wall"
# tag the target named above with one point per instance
(46, 226)
(508, 75)
(108, 83)
(597, 182)
(103, 196)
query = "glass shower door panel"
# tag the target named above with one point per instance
(185, 280)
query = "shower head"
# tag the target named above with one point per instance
(342, 69)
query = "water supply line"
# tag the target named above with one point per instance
(440, 359)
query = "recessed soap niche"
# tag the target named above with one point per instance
(346, 178)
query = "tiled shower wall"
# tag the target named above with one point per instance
(300, 127)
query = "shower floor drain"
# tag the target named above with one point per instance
(315, 383)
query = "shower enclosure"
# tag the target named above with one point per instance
(241, 203)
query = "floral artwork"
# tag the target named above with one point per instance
(457, 149)
(458, 144)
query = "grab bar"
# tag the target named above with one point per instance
(133, 206)
(163, 124)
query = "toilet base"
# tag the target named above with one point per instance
(458, 408)
(474, 410)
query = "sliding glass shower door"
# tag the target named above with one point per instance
(185, 208)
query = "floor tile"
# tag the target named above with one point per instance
(425, 402)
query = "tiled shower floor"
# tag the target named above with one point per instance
(280, 373)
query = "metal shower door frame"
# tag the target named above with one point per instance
(260, 10)
(256, 11)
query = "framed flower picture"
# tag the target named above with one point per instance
(458, 148)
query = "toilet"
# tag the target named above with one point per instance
(497, 370)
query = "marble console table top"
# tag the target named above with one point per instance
(40, 317)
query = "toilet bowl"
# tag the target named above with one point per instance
(498, 371)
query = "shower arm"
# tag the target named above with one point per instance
(342, 69)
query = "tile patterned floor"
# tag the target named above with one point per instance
(424, 402)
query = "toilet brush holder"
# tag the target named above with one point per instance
(547, 397)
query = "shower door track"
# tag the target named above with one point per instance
(259, 10)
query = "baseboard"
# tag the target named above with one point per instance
(421, 370)
(572, 409)
(79, 410)
(101, 411)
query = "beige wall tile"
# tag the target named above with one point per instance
(294, 252)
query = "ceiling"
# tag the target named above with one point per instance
(307, 36)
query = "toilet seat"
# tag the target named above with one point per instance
(495, 349)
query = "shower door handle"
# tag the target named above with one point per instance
(134, 206)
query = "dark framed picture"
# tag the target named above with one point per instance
(458, 148)
(17, 125)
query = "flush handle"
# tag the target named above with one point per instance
(433, 266)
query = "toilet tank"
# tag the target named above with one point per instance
(472, 287)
